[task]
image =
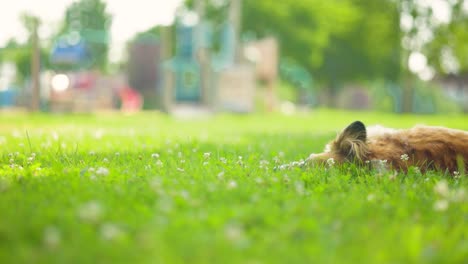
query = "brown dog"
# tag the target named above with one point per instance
(426, 147)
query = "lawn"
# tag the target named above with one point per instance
(149, 188)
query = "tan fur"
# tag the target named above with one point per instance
(428, 148)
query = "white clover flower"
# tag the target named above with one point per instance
(205, 163)
(330, 162)
(102, 171)
(46, 144)
(180, 169)
(159, 163)
(92, 153)
(299, 163)
(441, 205)
(98, 134)
(206, 155)
(264, 164)
(117, 154)
(223, 160)
(442, 188)
(404, 157)
(220, 175)
(4, 185)
(110, 231)
(52, 237)
(232, 184)
(179, 154)
(370, 197)
(90, 212)
(299, 185)
(185, 194)
(155, 183)
(456, 174)
(105, 160)
(459, 195)
(33, 155)
(259, 180)
(234, 233)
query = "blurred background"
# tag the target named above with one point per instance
(243, 56)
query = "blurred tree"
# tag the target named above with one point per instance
(434, 37)
(337, 40)
(447, 52)
(368, 49)
(20, 53)
(89, 20)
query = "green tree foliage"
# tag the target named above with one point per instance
(448, 52)
(337, 40)
(91, 21)
(21, 53)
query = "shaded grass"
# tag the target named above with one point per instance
(93, 192)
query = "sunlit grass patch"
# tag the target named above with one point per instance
(149, 188)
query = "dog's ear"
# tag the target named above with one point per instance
(351, 143)
(356, 130)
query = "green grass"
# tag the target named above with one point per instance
(95, 192)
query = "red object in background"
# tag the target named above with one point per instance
(131, 99)
(85, 80)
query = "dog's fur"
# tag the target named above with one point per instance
(425, 147)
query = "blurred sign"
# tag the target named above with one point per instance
(8, 98)
(237, 89)
(186, 68)
(187, 79)
(68, 53)
(226, 55)
(185, 42)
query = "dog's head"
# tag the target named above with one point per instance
(349, 146)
